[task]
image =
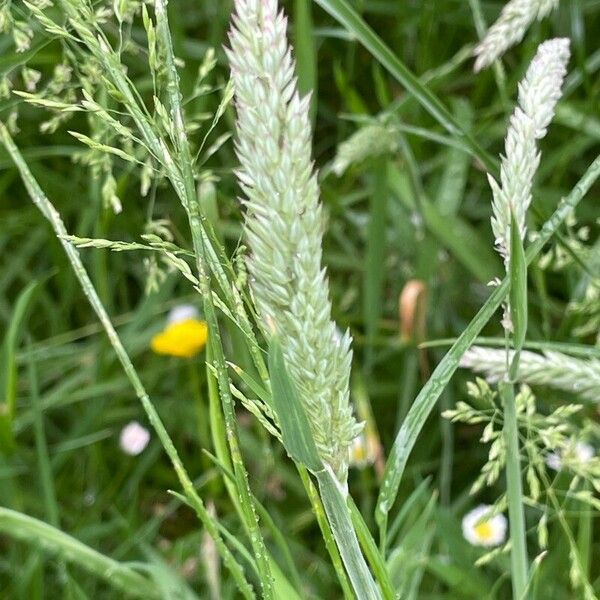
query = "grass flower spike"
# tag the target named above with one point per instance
(552, 369)
(539, 92)
(482, 528)
(285, 224)
(509, 29)
(184, 336)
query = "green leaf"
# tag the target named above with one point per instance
(295, 427)
(518, 285)
(338, 515)
(306, 53)
(375, 558)
(375, 259)
(8, 368)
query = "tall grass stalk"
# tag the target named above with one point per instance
(539, 92)
(192, 207)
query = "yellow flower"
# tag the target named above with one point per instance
(181, 337)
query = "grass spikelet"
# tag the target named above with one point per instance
(539, 92)
(509, 29)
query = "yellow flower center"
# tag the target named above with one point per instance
(183, 339)
(484, 531)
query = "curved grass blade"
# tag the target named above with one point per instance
(44, 536)
(431, 391)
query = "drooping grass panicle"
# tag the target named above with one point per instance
(552, 369)
(285, 225)
(539, 92)
(509, 29)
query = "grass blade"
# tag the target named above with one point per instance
(299, 443)
(41, 535)
(8, 369)
(295, 428)
(306, 53)
(343, 531)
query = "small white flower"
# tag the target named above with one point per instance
(134, 438)
(362, 451)
(554, 461)
(581, 452)
(584, 452)
(482, 528)
(182, 312)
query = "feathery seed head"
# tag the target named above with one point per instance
(285, 225)
(539, 91)
(552, 369)
(509, 29)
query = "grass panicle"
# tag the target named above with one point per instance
(509, 29)
(285, 225)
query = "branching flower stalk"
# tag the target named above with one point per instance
(285, 224)
(539, 92)
(552, 369)
(509, 29)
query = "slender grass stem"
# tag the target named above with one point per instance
(192, 208)
(518, 554)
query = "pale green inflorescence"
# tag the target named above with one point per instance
(539, 92)
(552, 369)
(509, 29)
(285, 225)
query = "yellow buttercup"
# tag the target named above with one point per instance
(184, 336)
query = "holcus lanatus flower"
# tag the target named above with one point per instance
(185, 334)
(481, 527)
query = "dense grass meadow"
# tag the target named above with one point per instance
(226, 372)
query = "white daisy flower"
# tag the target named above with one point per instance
(581, 452)
(134, 438)
(481, 527)
(182, 312)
